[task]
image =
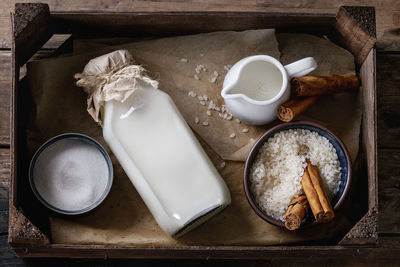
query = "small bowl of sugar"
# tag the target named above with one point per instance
(71, 174)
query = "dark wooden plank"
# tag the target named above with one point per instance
(4, 176)
(316, 253)
(5, 78)
(388, 23)
(389, 191)
(7, 257)
(388, 91)
(389, 240)
(388, 12)
(358, 258)
(172, 23)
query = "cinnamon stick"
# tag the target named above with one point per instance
(289, 110)
(323, 85)
(316, 194)
(297, 210)
(328, 214)
(312, 195)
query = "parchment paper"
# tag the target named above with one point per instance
(163, 58)
(344, 121)
(123, 218)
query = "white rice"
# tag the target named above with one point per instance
(276, 172)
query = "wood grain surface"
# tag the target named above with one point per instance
(388, 93)
(388, 84)
(389, 191)
(4, 176)
(5, 83)
(387, 11)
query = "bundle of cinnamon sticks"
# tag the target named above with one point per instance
(307, 89)
(315, 197)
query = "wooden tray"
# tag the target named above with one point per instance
(33, 25)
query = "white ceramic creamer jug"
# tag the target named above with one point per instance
(255, 86)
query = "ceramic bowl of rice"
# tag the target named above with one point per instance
(276, 163)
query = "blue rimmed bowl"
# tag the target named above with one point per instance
(342, 153)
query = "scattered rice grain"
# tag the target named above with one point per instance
(227, 67)
(214, 77)
(211, 105)
(192, 94)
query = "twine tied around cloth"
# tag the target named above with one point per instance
(117, 84)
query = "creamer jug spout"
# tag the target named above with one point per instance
(230, 92)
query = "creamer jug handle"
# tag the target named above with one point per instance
(301, 67)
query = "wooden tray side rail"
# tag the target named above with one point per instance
(33, 25)
(356, 30)
(30, 31)
(180, 23)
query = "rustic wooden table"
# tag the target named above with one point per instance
(388, 91)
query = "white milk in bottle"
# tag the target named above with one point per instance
(159, 152)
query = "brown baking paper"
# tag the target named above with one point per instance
(123, 219)
(341, 112)
(173, 62)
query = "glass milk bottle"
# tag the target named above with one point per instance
(159, 152)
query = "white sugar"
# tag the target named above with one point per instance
(71, 174)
